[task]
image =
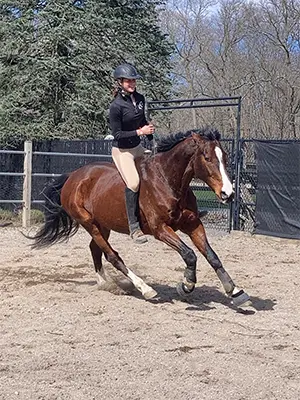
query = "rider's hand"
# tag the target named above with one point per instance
(146, 130)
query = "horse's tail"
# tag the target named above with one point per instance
(58, 225)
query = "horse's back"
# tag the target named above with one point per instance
(92, 172)
(95, 167)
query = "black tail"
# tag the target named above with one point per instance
(58, 226)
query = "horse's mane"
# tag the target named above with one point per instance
(166, 143)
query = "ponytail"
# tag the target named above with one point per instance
(115, 91)
(118, 88)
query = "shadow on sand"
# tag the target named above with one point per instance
(202, 298)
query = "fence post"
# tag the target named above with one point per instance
(237, 171)
(27, 184)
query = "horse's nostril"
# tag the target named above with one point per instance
(224, 196)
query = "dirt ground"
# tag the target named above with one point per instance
(62, 338)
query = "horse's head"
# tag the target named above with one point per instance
(209, 164)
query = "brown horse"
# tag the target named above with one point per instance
(93, 196)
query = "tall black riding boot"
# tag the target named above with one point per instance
(132, 208)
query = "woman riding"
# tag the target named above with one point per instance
(128, 123)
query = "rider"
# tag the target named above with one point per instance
(128, 123)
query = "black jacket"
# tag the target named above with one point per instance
(125, 119)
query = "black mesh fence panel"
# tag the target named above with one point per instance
(11, 186)
(278, 191)
(248, 185)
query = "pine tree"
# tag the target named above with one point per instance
(57, 59)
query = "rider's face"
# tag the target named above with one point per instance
(128, 85)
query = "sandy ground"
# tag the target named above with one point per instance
(62, 338)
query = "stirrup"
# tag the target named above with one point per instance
(138, 237)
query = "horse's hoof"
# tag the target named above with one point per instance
(183, 290)
(240, 299)
(150, 294)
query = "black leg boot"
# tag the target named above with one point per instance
(132, 208)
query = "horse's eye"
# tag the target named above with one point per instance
(208, 159)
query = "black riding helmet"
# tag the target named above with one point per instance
(127, 71)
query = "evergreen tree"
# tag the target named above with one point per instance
(57, 59)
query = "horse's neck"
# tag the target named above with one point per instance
(176, 167)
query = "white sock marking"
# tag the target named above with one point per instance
(227, 185)
(100, 279)
(138, 282)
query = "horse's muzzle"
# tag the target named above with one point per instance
(225, 198)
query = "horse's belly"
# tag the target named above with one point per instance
(107, 205)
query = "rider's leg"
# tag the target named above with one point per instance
(124, 161)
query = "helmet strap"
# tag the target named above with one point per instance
(121, 89)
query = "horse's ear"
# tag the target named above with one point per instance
(196, 137)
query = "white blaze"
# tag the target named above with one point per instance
(227, 185)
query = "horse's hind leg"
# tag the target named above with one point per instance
(194, 228)
(78, 212)
(103, 280)
(112, 256)
(97, 259)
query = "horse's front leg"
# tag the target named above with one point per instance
(193, 227)
(166, 234)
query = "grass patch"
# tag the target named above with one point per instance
(36, 216)
(206, 199)
(7, 215)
